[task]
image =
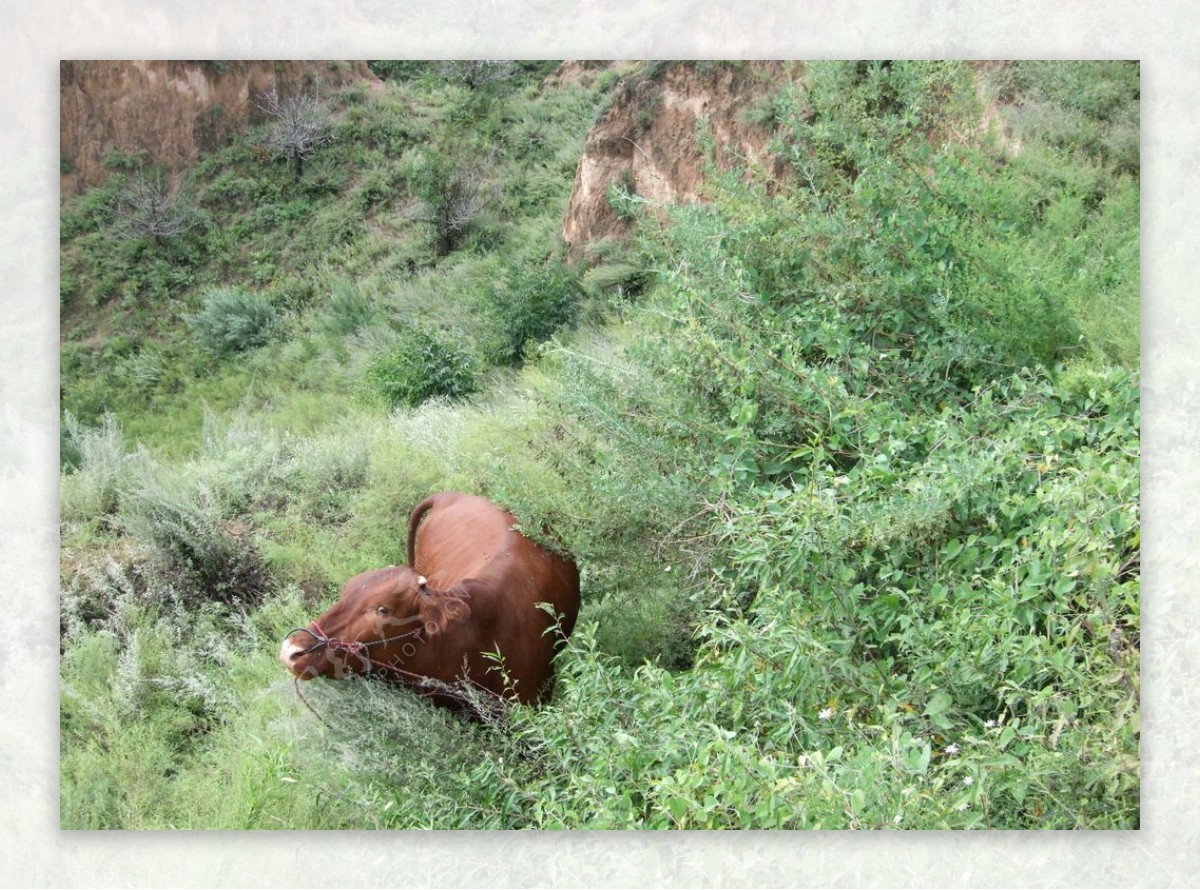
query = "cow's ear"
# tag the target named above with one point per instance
(441, 610)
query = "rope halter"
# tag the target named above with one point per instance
(360, 648)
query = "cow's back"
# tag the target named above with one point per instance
(461, 537)
(467, 538)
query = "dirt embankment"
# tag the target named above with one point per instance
(647, 140)
(169, 112)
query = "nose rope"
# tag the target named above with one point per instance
(296, 683)
(352, 647)
(318, 635)
(423, 686)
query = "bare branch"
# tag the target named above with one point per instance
(454, 195)
(147, 208)
(299, 126)
(474, 73)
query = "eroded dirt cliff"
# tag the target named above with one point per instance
(169, 112)
(647, 140)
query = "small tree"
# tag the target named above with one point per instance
(475, 73)
(299, 126)
(148, 208)
(453, 194)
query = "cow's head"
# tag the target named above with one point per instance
(381, 623)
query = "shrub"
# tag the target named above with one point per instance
(526, 306)
(453, 194)
(100, 462)
(423, 363)
(233, 320)
(195, 547)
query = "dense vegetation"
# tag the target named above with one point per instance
(848, 456)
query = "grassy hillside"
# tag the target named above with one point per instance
(847, 454)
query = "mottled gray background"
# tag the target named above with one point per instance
(33, 852)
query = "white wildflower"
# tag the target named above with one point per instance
(952, 749)
(826, 714)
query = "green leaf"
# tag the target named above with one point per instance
(938, 703)
(858, 800)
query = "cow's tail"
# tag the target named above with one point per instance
(414, 521)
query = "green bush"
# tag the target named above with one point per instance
(526, 306)
(233, 320)
(453, 195)
(423, 363)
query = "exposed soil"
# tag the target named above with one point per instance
(647, 140)
(168, 113)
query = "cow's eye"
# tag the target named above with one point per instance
(383, 610)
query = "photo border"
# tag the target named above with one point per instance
(1164, 852)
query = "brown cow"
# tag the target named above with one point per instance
(476, 588)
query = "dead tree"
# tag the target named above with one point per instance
(453, 193)
(299, 126)
(476, 73)
(148, 208)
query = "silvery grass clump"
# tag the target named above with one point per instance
(102, 469)
(162, 642)
(398, 761)
(181, 524)
(173, 537)
(192, 543)
(101, 595)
